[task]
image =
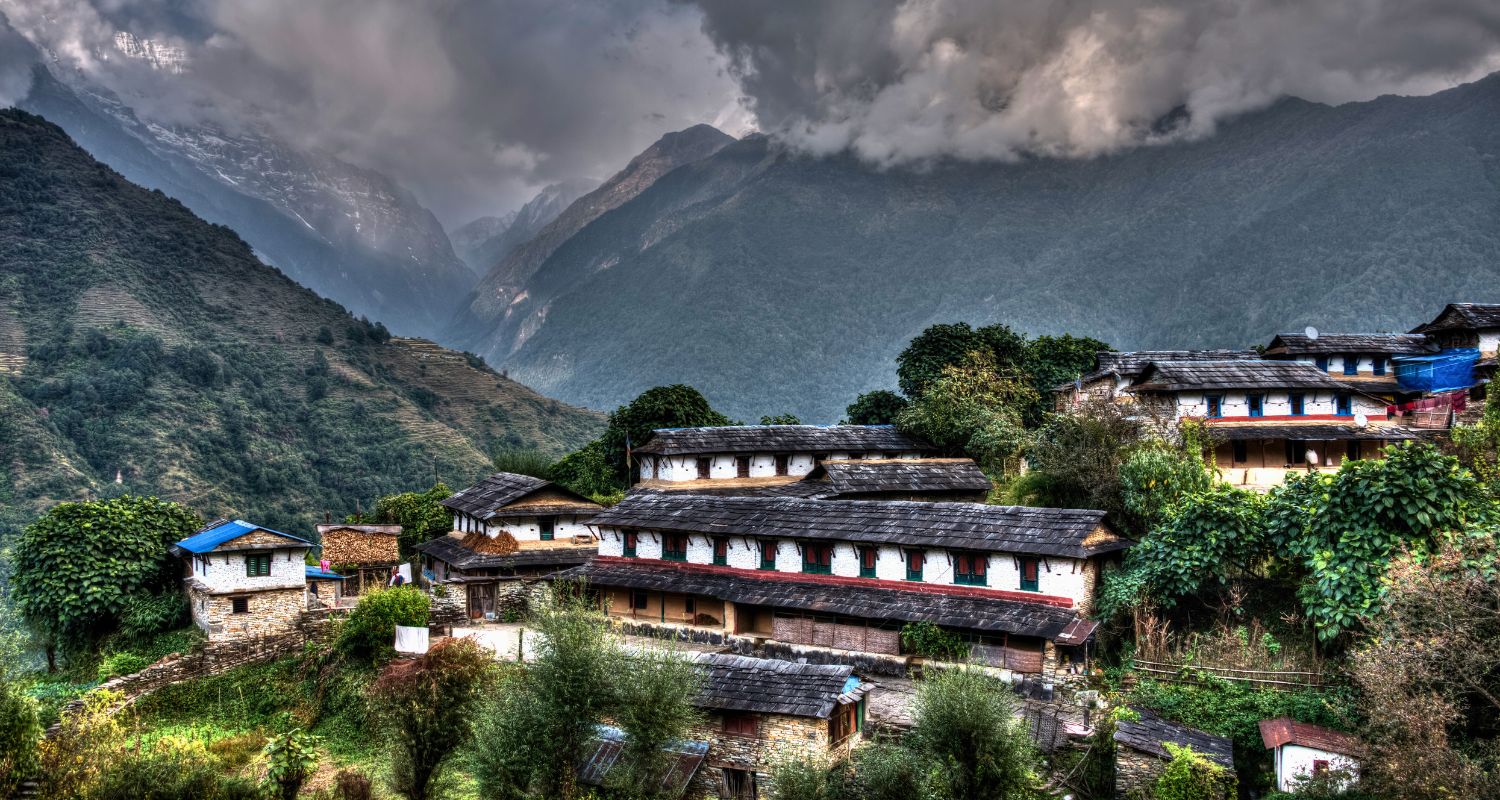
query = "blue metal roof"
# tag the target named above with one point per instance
(317, 572)
(209, 538)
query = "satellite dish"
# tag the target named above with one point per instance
(1361, 421)
(1311, 332)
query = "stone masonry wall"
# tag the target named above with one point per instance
(1135, 773)
(777, 736)
(271, 613)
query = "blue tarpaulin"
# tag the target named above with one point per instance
(1447, 371)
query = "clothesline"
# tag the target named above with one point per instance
(1458, 401)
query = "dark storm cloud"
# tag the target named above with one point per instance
(899, 81)
(474, 106)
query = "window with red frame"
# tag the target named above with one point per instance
(721, 551)
(867, 556)
(915, 559)
(768, 555)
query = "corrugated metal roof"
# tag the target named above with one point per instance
(221, 531)
(316, 572)
(782, 439)
(609, 743)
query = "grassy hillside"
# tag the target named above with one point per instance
(140, 341)
(775, 282)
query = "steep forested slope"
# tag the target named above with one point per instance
(139, 341)
(776, 282)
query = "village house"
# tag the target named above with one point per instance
(847, 575)
(364, 554)
(1304, 751)
(1267, 417)
(1465, 326)
(508, 529)
(758, 710)
(244, 580)
(1113, 372)
(931, 479)
(1141, 751)
(749, 456)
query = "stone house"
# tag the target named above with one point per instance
(508, 530)
(1113, 372)
(1141, 751)
(1302, 750)
(244, 580)
(754, 456)
(757, 710)
(325, 589)
(364, 554)
(823, 576)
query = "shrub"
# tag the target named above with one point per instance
(930, 641)
(350, 785)
(88, 741)
(369, 633)
(796, 776)
(126, 663)
(172, 769)
(524, 462)
(19, 733)
(966, 726)
(1190, 776)
(146, 616)
(290, 758)
(425, 706)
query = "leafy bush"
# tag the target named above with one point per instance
(145, 616)
(20, 731)
(369, 632)
(290, 758)
(425, 706)
(965, 725)
(172, 769)
(796, 776)
(927, 640)
(524, 462)
(1190, 776)
(124, 663)
(879, 407)
(421, 515)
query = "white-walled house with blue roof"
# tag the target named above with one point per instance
(244, 580)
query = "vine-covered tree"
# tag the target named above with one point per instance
(421, 515)
(78, 566)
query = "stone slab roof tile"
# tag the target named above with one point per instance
(781, 439)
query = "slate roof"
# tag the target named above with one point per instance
(220, 531)
(918, 476)
(1312, 431)
(1463, 316)
(488, 498)
(781, 439)
(958, 526)
(1150, 734)
(603, 753)
(1284, 730)
(770, 686)
(971, 612)
(1298, 344)
(1210, 375)
(1132, 364)
(450, 550)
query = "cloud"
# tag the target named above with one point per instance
(474, 106)
(898, 81)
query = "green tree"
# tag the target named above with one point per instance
(600, 469)
(369, 632)
(942, 346)
(654, 707)
(79, 565)
(780, 419)
(973, 408)
(425, 707)
(879, 407)
(1212, 537)
(1156, 477)
(1055, 360)
(421, 515)
(965, 725)
(1075, 462)
(587, 472)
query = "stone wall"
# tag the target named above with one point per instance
(271, 613)
(777, 736)
(1135, 773)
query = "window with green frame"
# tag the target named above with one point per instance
(914, 562)
(721, 551)
(1031, 574)
(817, 558)
(970, 569)
(257, 565)
(768, 555)
(867, 556)
(627, 548)
(674, 547)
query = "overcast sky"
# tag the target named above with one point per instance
(476, 105)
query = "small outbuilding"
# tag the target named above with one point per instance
(362, 553)
(1141, 750)
(325, 589)
(1304, 751)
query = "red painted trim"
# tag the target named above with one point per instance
(1281, 418)
(842, 580)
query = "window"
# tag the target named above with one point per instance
(740, 723)
(703, 465)
(257, 565)
(1320, 766)
(628, 550)
(544, 525)
(1377, 365)
(842, 723)
(1296, 451)
(867, 556)
(239, 605)
(768, 555)
(674, 547)
(1257, 404)
(914, 561)
(1351, 450)
(721, 551)
(1351, 365)
(1030, 580)
(1342, 405)
(1296, 402)
(1215, 406)
(742, 467)
(739, 784)
(639, 600)
(1323, 363)
(969, 569)
(1241, 451)
(817, 558)
(690, 605)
